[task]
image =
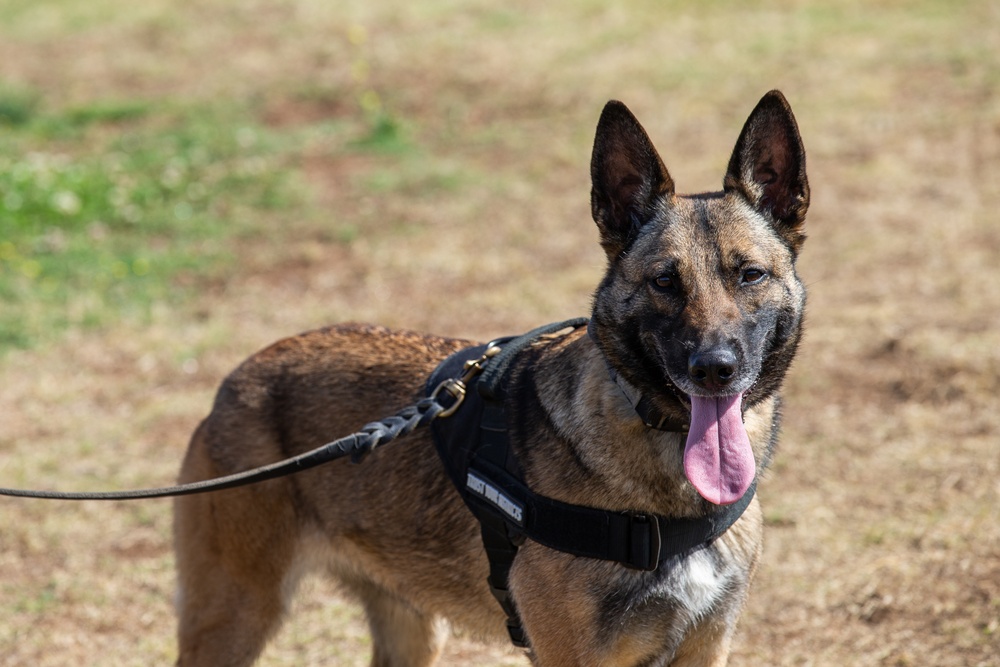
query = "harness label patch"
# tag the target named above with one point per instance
(488, 492)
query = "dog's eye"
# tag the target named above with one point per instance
(666, 282)
(754, 276)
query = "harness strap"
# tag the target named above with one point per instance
(492, 382)
(636, 540)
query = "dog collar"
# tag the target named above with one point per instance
(643, 405)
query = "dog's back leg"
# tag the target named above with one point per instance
(235, 556)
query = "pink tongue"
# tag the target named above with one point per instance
(718, 459)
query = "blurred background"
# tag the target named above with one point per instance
(183, 183)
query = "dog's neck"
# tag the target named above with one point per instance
(643, 405)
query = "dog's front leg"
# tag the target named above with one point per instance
(576, 615)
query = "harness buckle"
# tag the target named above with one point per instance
(644, 542)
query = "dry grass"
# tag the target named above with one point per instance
(883, 545)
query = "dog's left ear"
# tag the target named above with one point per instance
(628, 179)
(768, 167)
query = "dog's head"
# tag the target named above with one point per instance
(701, 309)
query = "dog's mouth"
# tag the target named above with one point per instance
(718, 459)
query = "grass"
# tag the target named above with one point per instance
(113, 208)
(182, 184)
(17, 106)
(109, 207)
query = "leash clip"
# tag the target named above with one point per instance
(458, 387)
(457, 390)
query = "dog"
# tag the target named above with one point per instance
(700, 312)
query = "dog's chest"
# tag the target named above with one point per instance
(696, 583)
(689, 587)
(681, 591)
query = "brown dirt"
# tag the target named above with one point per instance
(883, 508)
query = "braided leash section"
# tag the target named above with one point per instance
(357, 445)
(402, 423)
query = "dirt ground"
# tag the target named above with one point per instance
(883, 506)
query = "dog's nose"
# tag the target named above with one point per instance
(713, 368)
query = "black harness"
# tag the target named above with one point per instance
(474, 446)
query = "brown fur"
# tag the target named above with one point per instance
(394, 531)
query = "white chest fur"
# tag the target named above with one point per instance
(697, 582)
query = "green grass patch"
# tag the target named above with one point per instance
(99, 227)
(17, 105)
(385, 135)
(107, 112)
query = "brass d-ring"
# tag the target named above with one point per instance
(454, 387)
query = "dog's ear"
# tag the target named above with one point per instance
(628, 178)
(768, 167)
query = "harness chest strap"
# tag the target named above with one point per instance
(474, 446)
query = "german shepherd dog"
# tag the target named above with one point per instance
(700, 311)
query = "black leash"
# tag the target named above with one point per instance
(357, 446)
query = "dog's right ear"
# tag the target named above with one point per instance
(628, 178)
